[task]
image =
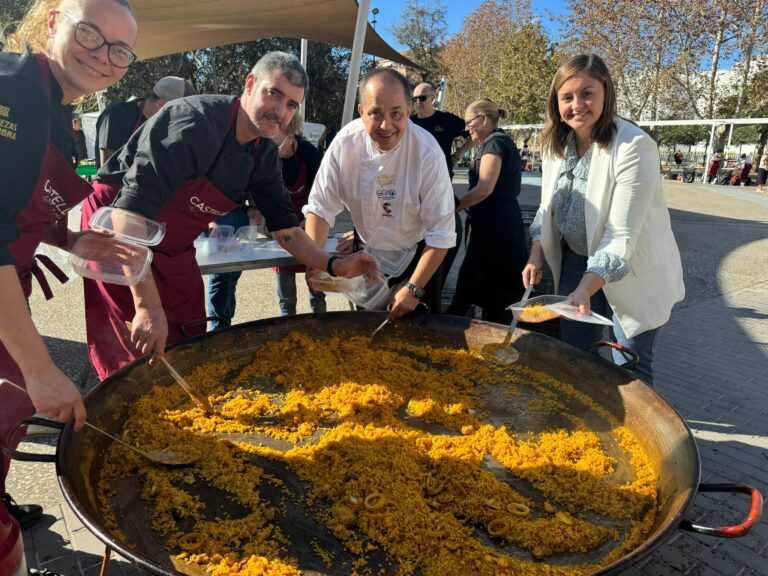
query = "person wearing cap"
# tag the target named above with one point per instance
(197, 159)
(121, 119)
(390, 174)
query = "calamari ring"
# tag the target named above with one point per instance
(435, 485)
(374, 501)
(518, 509)
(498, 527)
(192, 541)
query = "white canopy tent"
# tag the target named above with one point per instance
(171, 26)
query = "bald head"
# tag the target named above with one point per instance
(423, 100)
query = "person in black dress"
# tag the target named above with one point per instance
(496, 249)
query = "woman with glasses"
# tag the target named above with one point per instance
(71, 48)
(496, 251)
(603, 225)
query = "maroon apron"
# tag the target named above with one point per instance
(108, 307)
(299, 194)
(57, 191)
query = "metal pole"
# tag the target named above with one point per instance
(709, 154)
(354, 62)
(304, 50)
(441, 96)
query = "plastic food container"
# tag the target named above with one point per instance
(550, 306)
(123, 258)
(245, 238)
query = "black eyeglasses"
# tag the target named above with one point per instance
(419, 98)
(91, 39)
(473, 119)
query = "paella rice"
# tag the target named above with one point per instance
(402, 461)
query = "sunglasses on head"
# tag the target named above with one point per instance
(420, 98)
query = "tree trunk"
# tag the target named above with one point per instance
(749, 46)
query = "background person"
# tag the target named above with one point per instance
(390, 174)
(81, 46)
(121, 119)
(746, 167)
(446, 128)
(79, 149)
(762, 172)
(603, 225)
(714, 166)
(195, 160)
(300, 162)
(496, 251)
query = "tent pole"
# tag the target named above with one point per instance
(304, 50)
(354, 61)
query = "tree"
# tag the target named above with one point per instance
(681, 135)
(422, 30)
(502, 53)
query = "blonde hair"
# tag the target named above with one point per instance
(295, 125)
(554, 137)
(32, 31)
(488, 108)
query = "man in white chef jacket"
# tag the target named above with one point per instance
(391, 176)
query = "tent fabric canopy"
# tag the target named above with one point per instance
(171, 26)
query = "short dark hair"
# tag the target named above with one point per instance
(287, 64)
(390, 73)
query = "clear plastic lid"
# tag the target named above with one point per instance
(368, 293)
(247, 234)
(549, 306)
(110, 259)
(128, 225)
(572, 313)
(221, 238)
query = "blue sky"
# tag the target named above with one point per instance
(390, 13)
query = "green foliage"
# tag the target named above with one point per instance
(422, 29)
(501, 53)
(222, 70)
(681, 135)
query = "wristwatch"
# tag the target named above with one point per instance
(417, 291)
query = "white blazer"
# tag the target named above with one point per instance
(627, 215)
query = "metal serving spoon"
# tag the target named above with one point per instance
(166, 456)
(507, 354)
(201, 400)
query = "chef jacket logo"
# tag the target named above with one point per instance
(294, 190)
(200, 206)
(386, 186)
(7, 128)
(439, 129)
(387, 207)
(54, 199)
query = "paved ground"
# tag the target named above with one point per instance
(712, 366)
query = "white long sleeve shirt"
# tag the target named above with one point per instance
(404, 195)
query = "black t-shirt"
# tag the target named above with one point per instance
(445, 127)
(187, 139)
(507, 187)
(311, 157)
(28, 118)
(116, 124)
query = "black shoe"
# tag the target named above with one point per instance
(43, 572)
(27, 515)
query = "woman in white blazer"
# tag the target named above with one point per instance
(603, 225)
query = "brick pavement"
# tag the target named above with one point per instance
(712, 363)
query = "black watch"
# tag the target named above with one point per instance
(329, 267)
(417, 291)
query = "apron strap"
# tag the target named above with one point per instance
(37, 272)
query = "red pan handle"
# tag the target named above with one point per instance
(730, 531)
(634, 356)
